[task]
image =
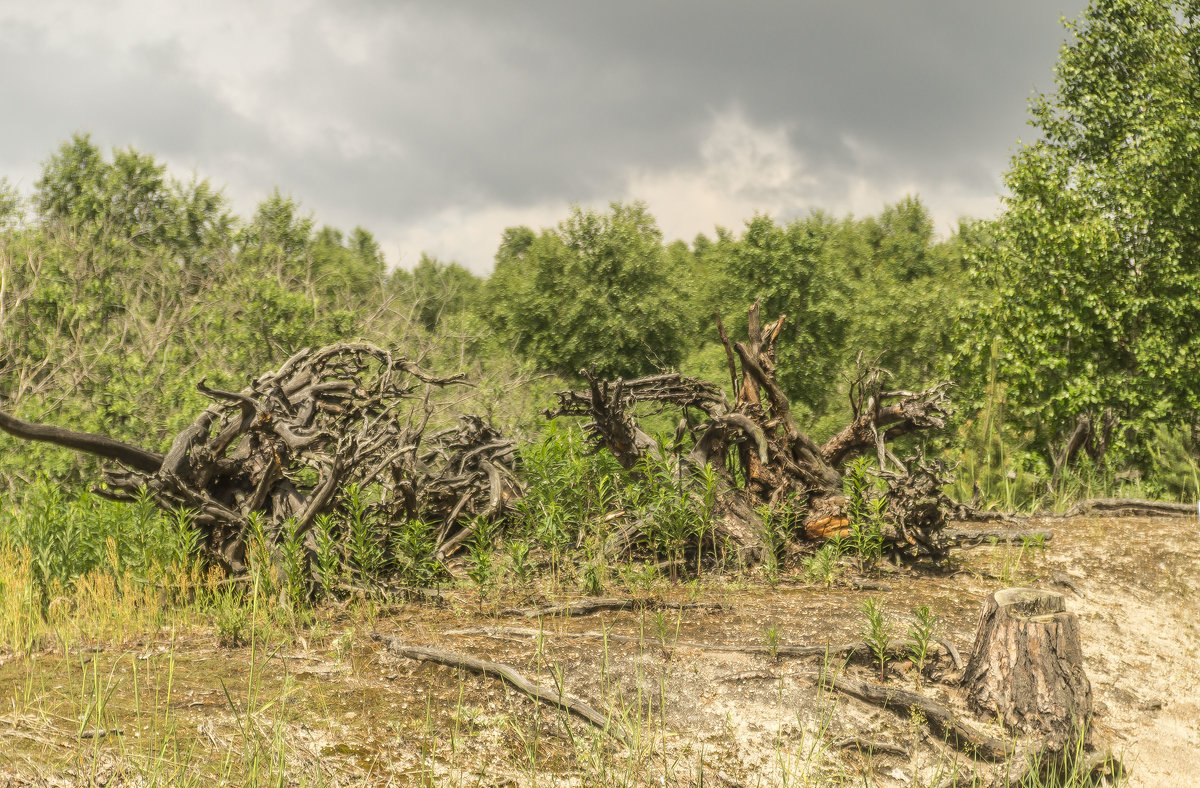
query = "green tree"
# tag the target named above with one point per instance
(598, 290)
(797, 270)
(905, 285)
(438, 291)
(1088, 295)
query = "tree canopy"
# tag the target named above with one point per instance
(1089, 291)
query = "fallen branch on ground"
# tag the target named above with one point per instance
(869, 746)
(510, 676)
(1131, 507)
(860, 650)
(940, 719)
(973, 537)
(586, 607)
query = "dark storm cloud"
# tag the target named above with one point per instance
(389, 114)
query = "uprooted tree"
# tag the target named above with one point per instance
(762, 459)
(272, 458)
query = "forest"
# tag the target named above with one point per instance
(252, 425)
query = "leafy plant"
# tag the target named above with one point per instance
(877, 633)
(480, 559)
(865, 512)
(771, 642)
(329, 559)
(414, 552)
(824, 565)
(921, 633)
(366, 551)
(518, 560)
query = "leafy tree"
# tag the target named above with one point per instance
(440, 290)
(598, 290)
(905, 286)
(278, 240)
(796, 270)
(1090, 289)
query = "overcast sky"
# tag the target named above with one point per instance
(437, 124)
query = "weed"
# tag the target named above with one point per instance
(824, 565)
(294, 555)
(329, 561)
(414, 553)
(865, 512)
(877, 632)
(480, 559)
(592, 578)
(771, 642)
(366, 552)
(921, 634)
(518, 560)
(230, 618)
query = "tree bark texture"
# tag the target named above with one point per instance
(1026, 666)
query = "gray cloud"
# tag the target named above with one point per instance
(432, 122)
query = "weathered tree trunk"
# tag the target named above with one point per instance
(1026, 666)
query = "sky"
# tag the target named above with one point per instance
(437, 124)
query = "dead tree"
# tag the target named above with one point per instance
(761, 456)
(285, 448)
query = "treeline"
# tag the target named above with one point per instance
(125, 286)
(1068, 323)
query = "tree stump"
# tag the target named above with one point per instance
(1026, 665)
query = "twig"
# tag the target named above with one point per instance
(871, 745)
(100, 733)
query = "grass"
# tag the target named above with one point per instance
(122, 659)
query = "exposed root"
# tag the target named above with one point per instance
(509, 675)
(939, 718)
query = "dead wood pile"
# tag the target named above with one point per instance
(762, 459)
(285, 449)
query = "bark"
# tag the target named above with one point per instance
(1026, 666)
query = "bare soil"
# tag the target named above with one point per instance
(332, 706)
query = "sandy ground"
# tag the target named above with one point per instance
(694, 714)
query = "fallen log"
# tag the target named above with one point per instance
(1131, 507)
(939, 718)
(510, 676)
